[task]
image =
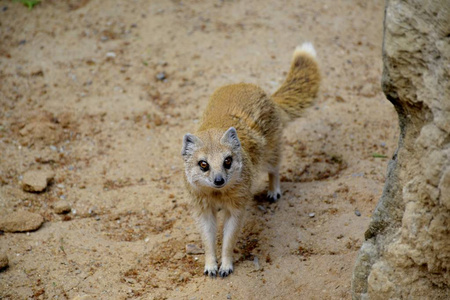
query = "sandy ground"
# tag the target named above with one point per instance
(79, 95)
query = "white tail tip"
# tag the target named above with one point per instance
(306, 47)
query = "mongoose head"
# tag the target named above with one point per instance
(212, 158)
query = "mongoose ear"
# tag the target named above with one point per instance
(230, 137)
(190, 142)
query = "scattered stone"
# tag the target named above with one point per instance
(228, 296)
(21, 221)
(192, 249)
(339, 98)
(178, 256)
(41, 130)
(184, 277)
(110, 55)
(83, 297)
(62, 207)
(161, 76)
(131, 281)
(256, 262)
(367, 91)
(312, 215)
(36, 181)
(262, 208)
(3, 261)
(357, 213)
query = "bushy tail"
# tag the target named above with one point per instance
(301, 85)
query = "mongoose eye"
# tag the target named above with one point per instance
(203, 165)
(227, 162)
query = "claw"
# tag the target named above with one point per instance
(225, 273)
(272, 198)
(210, 273)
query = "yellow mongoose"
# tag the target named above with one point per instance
(240, 135)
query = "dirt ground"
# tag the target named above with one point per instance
(101, 93)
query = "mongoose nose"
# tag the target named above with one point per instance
(219, 181)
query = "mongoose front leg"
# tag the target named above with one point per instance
(274, 192)
(208, 229)
(231, 228)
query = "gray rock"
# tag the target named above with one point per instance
(36, 181)
(21, 221)
(256, 263)
(408, 239)
(192, 249)
(161, 76)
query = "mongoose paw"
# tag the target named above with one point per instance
(272, 197)
(225, 271)
(210, 271)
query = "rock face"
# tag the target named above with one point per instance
(21, 221)
(406, 254)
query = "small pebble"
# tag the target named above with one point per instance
(193, 249)
(312, 215)
(357, 213)
(36, 181)
(262, 208)
(62, 207)
(228, 296)
(3, 261)
(110, 54)
(256, 262)
(161, 76)
(178, 256)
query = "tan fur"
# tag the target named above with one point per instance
(258, 121)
